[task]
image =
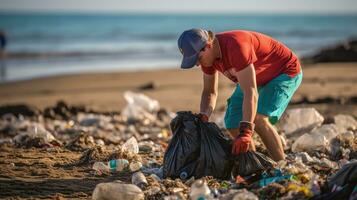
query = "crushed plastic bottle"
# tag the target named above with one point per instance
(135, 166)
(139, 179)
(100, 168)
(200, 190)
(131, 145)
(118, 165)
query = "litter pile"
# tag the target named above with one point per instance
(162, 155)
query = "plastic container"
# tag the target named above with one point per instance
(139, 180)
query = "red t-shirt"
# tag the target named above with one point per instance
(241, 48)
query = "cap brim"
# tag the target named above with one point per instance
(189, 62)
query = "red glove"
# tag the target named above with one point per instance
(203, 117)
(242, 141)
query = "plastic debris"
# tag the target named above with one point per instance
(131, 146)
(244, 195)
(299, 119)
(100, 168)
(117, 191)
(139, 179)
(200, 191)
(266, 181)
(113, 142)
(118, 165)
(135, 166)
(345, 122)
(140, 106)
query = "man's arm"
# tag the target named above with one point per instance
(209, 93)
(247, 81)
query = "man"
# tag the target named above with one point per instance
(2, 55)
(266, 72)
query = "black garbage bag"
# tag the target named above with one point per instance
(347, 174)
(252, 162)
(341, 184)
(197, 149)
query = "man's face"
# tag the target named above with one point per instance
(206, 56)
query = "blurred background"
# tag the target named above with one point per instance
(48, 37)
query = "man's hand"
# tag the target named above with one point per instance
(203, 117)
(242, 141)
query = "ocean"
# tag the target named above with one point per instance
(53, 44)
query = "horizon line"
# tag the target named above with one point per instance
(18, 11)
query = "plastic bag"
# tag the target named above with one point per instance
(140, 106)
(346, 175)
(251, 162)
(341, 184)
(197, 149)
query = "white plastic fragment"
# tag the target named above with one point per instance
(299, 119)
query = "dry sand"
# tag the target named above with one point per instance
(175, 89)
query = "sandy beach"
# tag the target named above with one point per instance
(178, 89)
(55, 173)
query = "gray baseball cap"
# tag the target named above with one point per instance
(190, 43)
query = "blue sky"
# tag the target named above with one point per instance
(184, 6)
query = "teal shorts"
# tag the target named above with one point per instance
(274, 97)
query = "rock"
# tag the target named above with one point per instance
(299, 120)
(19, 109)
(344, 52)
(117, 191)
(148, 86)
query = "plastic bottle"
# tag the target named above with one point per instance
(139, 180)
(135, 166)
(118, 165)
(200, 190)
(183, 175)
(100, 168)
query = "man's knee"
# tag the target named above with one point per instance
(261, 120)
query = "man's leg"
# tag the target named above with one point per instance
(270, 137)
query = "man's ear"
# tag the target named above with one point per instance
(209, 45)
